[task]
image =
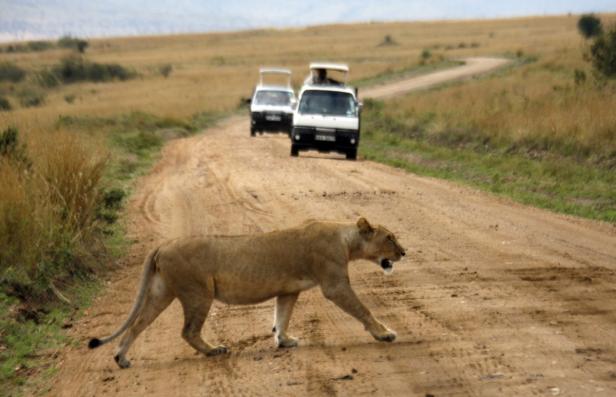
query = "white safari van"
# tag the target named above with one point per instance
(327, 114)
(271, 105)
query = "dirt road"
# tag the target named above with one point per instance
(471, 67)
(494, 298)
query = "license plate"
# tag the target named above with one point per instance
(325, 138)
(272, 117)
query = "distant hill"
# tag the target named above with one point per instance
(28, 19)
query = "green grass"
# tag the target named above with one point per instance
(136, 137)
(30, 342)
(548, 180)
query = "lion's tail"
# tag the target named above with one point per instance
(149, 268)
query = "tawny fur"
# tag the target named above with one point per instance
(254, 268)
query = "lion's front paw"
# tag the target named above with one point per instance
(215, 351)
(286, 342)
(385, 336)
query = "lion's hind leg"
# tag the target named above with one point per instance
(196, 305)
(157, 299)
(284, 308)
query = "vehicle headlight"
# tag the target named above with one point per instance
(297, 137)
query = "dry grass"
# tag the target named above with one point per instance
(536, 106)
(537, 102)
(48, 213)
(212, 71)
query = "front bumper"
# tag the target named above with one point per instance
(271, 121)
(324, 139)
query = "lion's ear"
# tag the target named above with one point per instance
(364, 226)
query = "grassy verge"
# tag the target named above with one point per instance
(32, 318)
(550, 180)
(34, 343)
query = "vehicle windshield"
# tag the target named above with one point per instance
(328, 103)
(273, 98)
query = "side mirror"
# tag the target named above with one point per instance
(360, 105)
(247, 101)
(294, 103)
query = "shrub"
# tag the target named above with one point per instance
(73, 42)
(425, 56)
(30, 97)
(165, 70)
(589, 26)
(46, 78)
(11, 72)
(5, 105)
(387, 41)
(38, 45)
(74, 69)
(11, 150)
(113, 198)
(603, 53)
(69, 98)
(579, 77)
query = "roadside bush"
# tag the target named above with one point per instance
(11, 72)
(589, 26)
(603, 53)
(74, 69)
(5, 105)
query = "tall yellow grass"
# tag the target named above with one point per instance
(538, 105)
(48, 213)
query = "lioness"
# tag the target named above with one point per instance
(253, 268)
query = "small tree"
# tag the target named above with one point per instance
(590, 26)
(603, 53)
(81, 46)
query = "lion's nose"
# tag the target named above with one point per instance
(403, 253)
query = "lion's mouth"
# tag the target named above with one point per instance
(387, 265)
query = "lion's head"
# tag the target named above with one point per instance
(379, 245)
